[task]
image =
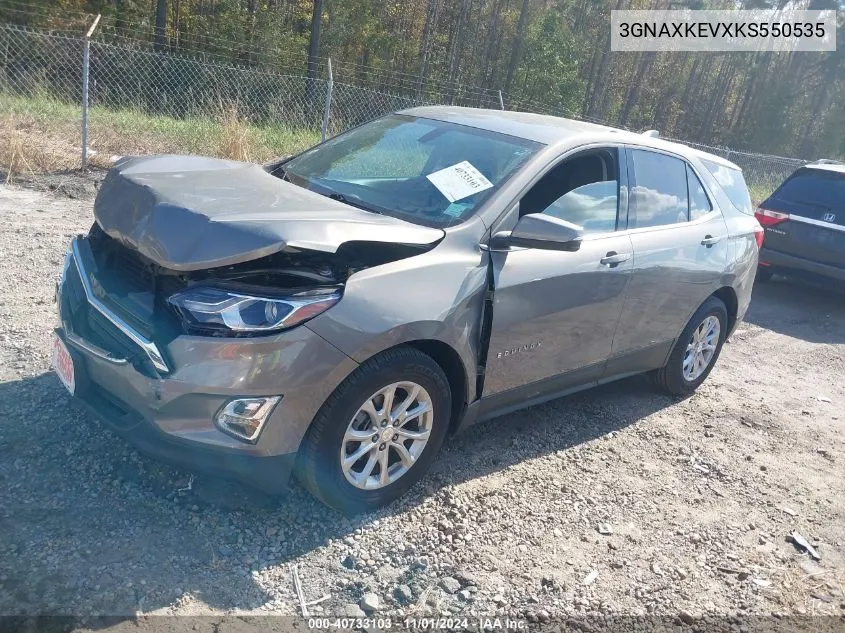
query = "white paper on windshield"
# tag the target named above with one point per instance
(459, 181)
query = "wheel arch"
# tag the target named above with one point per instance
(453, 365)
(450, 362)
(728, 296)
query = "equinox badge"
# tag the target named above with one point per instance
(522, 348)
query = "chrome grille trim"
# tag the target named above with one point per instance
(150, 348)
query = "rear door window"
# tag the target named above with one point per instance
(817, 188)
(659, 194)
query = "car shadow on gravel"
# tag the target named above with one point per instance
(92, 527)
(811, 311)
(555, 426)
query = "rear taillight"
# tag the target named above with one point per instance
(759, 235)
(770, 218)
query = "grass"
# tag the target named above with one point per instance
(42, 134)
(761, 191)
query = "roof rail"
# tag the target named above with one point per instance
(827, 161)
(651, 133)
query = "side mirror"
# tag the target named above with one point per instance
(537, 230)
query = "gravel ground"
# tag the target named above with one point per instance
(614, 501)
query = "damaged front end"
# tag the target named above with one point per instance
(270, 294)
(266, 295)
(215, 248)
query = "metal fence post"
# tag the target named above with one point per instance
(86, 54)
(328, 102)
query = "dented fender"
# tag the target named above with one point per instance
(436, 296)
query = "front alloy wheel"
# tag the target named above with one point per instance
(387, 435)
(378, 433)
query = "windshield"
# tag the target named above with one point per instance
(733, 183)
(421, 170)
(816, 188)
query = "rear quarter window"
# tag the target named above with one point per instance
(733, 183)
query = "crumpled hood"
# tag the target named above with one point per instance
(189, 213)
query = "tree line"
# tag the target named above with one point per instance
(550, 56)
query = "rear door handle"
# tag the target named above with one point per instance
(709, 240)
(613, 258)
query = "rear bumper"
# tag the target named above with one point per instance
(775, 260)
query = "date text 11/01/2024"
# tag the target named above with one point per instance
(420, 624)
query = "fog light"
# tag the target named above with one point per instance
(245, 417)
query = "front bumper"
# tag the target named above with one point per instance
(169, 415)
(269, 473)
(774, 260)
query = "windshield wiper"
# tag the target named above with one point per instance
(280, 172)
(352, 201)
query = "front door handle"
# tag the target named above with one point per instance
(613, 259)
(709, 240)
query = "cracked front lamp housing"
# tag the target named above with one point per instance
(244, 418)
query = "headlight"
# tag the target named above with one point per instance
(211, 308)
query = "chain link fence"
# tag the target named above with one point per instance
(172, 86)
(763, 172)
(33, 63)
(134, 91)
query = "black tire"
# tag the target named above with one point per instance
(764, 275)
(318, 463)
(670, 378)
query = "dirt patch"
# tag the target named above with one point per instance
(75, 184)
(615, 502)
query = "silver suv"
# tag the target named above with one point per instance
(339, 314)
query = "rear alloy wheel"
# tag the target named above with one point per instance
(701, 348)
(696, 350)
(378, 433)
